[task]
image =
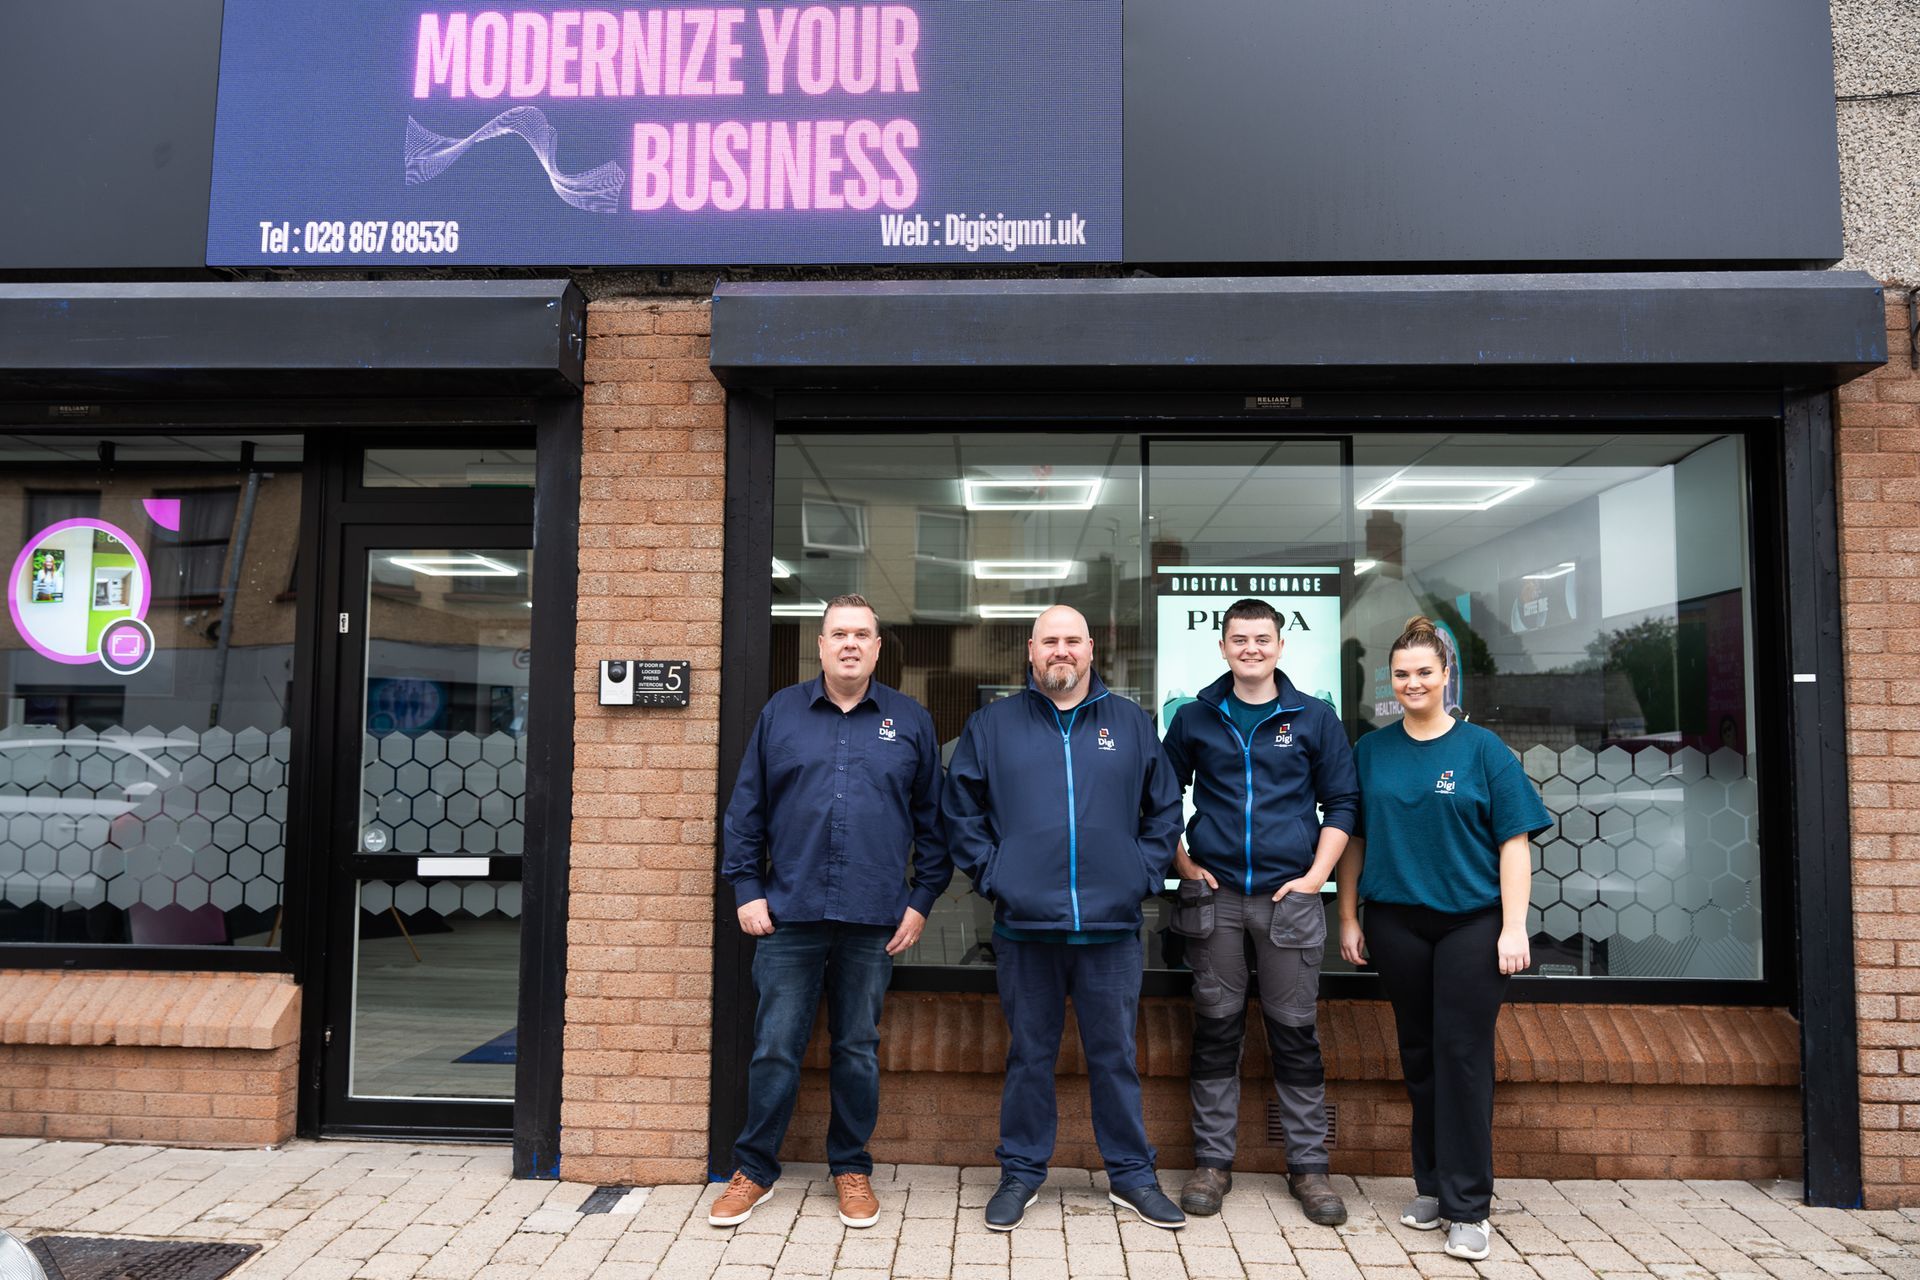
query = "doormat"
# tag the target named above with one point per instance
(93, 1258)
(502, 1048)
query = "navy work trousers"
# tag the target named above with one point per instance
(1103, 979)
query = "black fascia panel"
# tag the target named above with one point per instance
(1720, 330)
(331, 338)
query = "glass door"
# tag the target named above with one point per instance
(429, 811)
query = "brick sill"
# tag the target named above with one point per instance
(165, 1010)
(1565, 1043)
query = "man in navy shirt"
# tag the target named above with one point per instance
(840, 782)
(1064, 812)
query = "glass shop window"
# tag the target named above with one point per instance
(1596, 588)
(145, 666)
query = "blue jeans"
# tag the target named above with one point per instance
(1035, 980)
(791, 966)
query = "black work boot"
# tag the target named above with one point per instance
(1316, 1195)
(1204, 1189)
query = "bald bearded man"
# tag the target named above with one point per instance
(1064, 812)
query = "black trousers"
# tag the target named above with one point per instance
(1442, 973)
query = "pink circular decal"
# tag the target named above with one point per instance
(71, 582)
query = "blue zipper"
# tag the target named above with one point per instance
(1073, 817)
(1246, 758)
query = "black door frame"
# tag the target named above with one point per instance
(1793, 472)
(337, 873)
(336, 431)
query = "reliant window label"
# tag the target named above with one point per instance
(530, 135)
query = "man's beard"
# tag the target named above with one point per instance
(1060, 677)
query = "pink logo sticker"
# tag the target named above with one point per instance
(164, 512)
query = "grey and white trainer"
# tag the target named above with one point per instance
(1468, 1240)
(1422, 1213)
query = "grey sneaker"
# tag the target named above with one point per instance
(1468, 1240)
(1422, 1213)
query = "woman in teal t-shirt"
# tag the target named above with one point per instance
(1440, 855)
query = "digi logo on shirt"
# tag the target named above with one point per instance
(1106, 743)
(1445, 785)
(1284, 738)
(887, 731)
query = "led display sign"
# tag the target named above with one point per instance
(422, 133)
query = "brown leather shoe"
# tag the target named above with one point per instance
(737, 1203)
(1204, 1189)
(1316, 1195)
(859, 1207)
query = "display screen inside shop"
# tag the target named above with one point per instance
(937, 131)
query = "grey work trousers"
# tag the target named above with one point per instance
(1287, 939)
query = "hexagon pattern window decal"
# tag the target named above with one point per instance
(147, 819)
(433, 794)
(1652, 869)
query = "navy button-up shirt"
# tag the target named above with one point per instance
(830, 803)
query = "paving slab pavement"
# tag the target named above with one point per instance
(396, 1211)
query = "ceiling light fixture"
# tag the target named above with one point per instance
(1408, 493)
(800, 609)
(1030, 495)
(1361, 566)
(1022, 570)
(1013, 610)
(781, 568)
(1564, 568)
(466, 564)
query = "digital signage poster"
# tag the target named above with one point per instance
(1192, 607)
(432, 134)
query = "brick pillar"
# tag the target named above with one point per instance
(1879, 469)
(640, 932)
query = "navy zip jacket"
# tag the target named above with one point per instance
(1253, 825)
(1064, 820)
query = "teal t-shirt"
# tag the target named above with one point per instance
(1246, 715)
(1435, 813)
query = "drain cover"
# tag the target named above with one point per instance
(96, 1258)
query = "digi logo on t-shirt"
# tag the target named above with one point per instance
(887, 731)
(1284, 738)
(1106, 742)
(1445, 785)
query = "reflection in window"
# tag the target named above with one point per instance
(188, 566)
(1595, 587)
(1601, 618)
(145, 802)
(471, 467)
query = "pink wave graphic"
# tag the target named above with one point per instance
(596, 190)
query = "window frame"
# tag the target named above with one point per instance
(1483, 415)
(284, 956)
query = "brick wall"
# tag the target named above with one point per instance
(207, 1059)
(1585, 1091)
(1540, 1130)
(191, 1097)
(1879, 467)
(640, 933)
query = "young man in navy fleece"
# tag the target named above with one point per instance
(1261, 758)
